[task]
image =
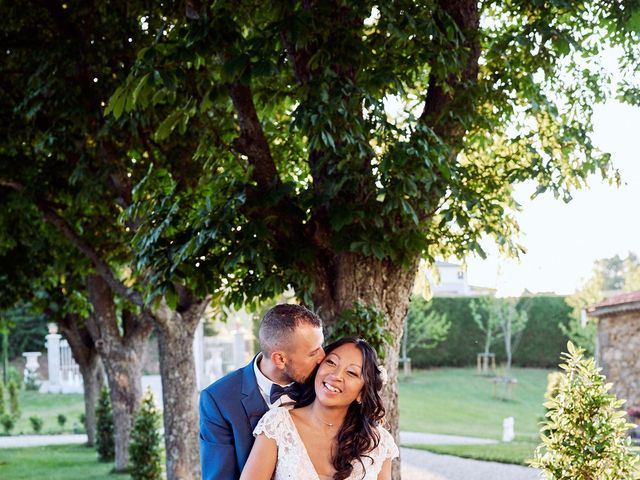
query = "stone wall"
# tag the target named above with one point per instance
(619, 354)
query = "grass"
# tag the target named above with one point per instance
(517, 452)
(458, 401)
(56, 462)
(48, 406)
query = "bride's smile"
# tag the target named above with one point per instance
(339, 376)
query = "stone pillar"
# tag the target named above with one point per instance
(198, 354)
(53, 358)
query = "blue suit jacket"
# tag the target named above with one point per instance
(230, 408)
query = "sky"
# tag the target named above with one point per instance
(563, 240)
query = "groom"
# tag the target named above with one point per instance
(290, 348)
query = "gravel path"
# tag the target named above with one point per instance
(40, 440)
(421, 465)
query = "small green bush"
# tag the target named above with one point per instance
(8, 422)
(104, 428)
(32, 382)
(14, 403)
(62, 419)
(145, 448)
(585, 433)
(2, 404)
(36, 423)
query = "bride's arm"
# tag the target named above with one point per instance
(262, 459)
(385, 473)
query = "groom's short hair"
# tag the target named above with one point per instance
(279, 324)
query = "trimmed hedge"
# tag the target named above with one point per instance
(540, 345)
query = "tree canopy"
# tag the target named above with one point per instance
(387, 130)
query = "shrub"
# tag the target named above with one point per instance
(2, 404)
(144, 449)
(8, 422)
(104, 428)
(585, 433)
(14, 403)
(62, 419)
(32, 381)
(36, 423)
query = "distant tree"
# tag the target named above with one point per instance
(614, 273)
(425, 328)
(485, 317)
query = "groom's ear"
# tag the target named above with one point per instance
(278, 359)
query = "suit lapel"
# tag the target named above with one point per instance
(252, 401)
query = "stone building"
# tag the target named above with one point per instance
(618, 344)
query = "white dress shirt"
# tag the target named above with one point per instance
(264, 384)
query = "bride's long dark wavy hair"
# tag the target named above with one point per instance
(358, 435)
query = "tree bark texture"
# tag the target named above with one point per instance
(85, 353)
(381, 283)
(122, 346)
(176, 330)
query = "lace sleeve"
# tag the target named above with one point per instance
(271, 423)
(388, 446)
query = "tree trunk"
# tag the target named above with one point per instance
(86, 355)
(122, 346)
(380, 283)
(176, 330)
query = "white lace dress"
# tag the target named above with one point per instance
(293, 460)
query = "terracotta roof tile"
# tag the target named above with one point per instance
(629, 297)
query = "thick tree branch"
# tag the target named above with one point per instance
(252, 141)
(100, 265)
(7, 182)
(466, 15)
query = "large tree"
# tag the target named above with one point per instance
(342, 141)
(72, 170)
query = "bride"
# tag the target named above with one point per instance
(334, 433)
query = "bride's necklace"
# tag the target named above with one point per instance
(326, 423)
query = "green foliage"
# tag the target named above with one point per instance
(488, 323)
(608, 274)
(7, 422)
(426, 328)
(14, 401)
(585, 436)
(2, 401)
(363, 321)
(104, 428)
(541, 341)
(62, 419)
(36, 423)
(145, 446)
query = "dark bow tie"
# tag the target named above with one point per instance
(277, 391)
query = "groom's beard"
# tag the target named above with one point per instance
(292, 376)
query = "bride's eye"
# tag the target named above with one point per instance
(328, 361)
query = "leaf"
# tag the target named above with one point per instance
(168, 124)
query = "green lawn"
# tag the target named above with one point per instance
(48, 406)
(458, 401)
(59, 462)
(517, 452)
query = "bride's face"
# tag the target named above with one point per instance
(339, 379)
